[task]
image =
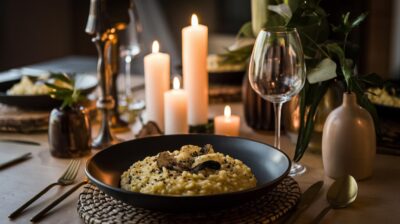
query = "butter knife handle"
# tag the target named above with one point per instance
(33, 199)
(321, 215)
(294, 216)
(305, 201)
(42, 213)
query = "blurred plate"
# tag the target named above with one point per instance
(86, 83)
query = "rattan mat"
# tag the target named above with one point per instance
(96, 207)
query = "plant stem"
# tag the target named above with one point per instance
(346, 35)
(317, 45)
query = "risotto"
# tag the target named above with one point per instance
(192, 170)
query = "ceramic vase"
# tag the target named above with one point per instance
(69, 132)
(349, 141)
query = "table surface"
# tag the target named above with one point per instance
(378, 199)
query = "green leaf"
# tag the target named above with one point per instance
(346, 18)
(315, 93)
(67, 92)
(283, 10)
(346, 25)
(240, 55)
(336, 50)
(293, 4)
(311, 22)
(325, 70)
(275, 19)
(246, 30)
(359, 19)
(307, 14)
(61, 77)
(56, 87)
(372, 80)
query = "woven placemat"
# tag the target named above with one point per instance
(96, 207)
(13, 119)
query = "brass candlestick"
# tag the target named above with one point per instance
(117, 124)
(105, 16)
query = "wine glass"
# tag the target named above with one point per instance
(277, 73)
(129, 48)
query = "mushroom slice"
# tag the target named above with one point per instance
(165, 159)
(209, 164)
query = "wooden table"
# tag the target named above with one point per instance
(378, 200)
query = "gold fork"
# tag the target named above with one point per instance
(44, 211)
(67, 178)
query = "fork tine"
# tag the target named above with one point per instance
(69, 170)
(75, 171)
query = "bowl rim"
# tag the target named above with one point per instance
(256, 188)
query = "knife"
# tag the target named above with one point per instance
(20, 141)
(306, 199)
(15, 160)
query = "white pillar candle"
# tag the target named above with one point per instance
(176, 110)
(156, 73)
(227, 124)
(195, 76)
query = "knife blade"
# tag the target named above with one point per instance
(306, 199)
(26, 142)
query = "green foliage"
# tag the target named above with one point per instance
(274, 19)
(311, 22)
(246, 31)
(239, 56)
(308, 108)
(335, 50)
(62, 87)
(346, 26)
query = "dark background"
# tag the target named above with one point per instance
(40, 30)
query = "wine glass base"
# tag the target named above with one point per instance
(297, 169)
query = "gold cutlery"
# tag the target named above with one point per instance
(44, 211)
(25, 142)
(67, 178)
(340, 194)
(15, 160)
(305, 201)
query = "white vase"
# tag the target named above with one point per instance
(349, 141)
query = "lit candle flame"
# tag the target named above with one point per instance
(155, 47)
(227, 112)
(195, 20)
(176, 84)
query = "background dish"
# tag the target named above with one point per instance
(86, 83)
(268, 164)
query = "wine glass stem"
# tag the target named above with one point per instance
(278, 111)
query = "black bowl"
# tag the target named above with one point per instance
(268, 164)
(87, 84)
